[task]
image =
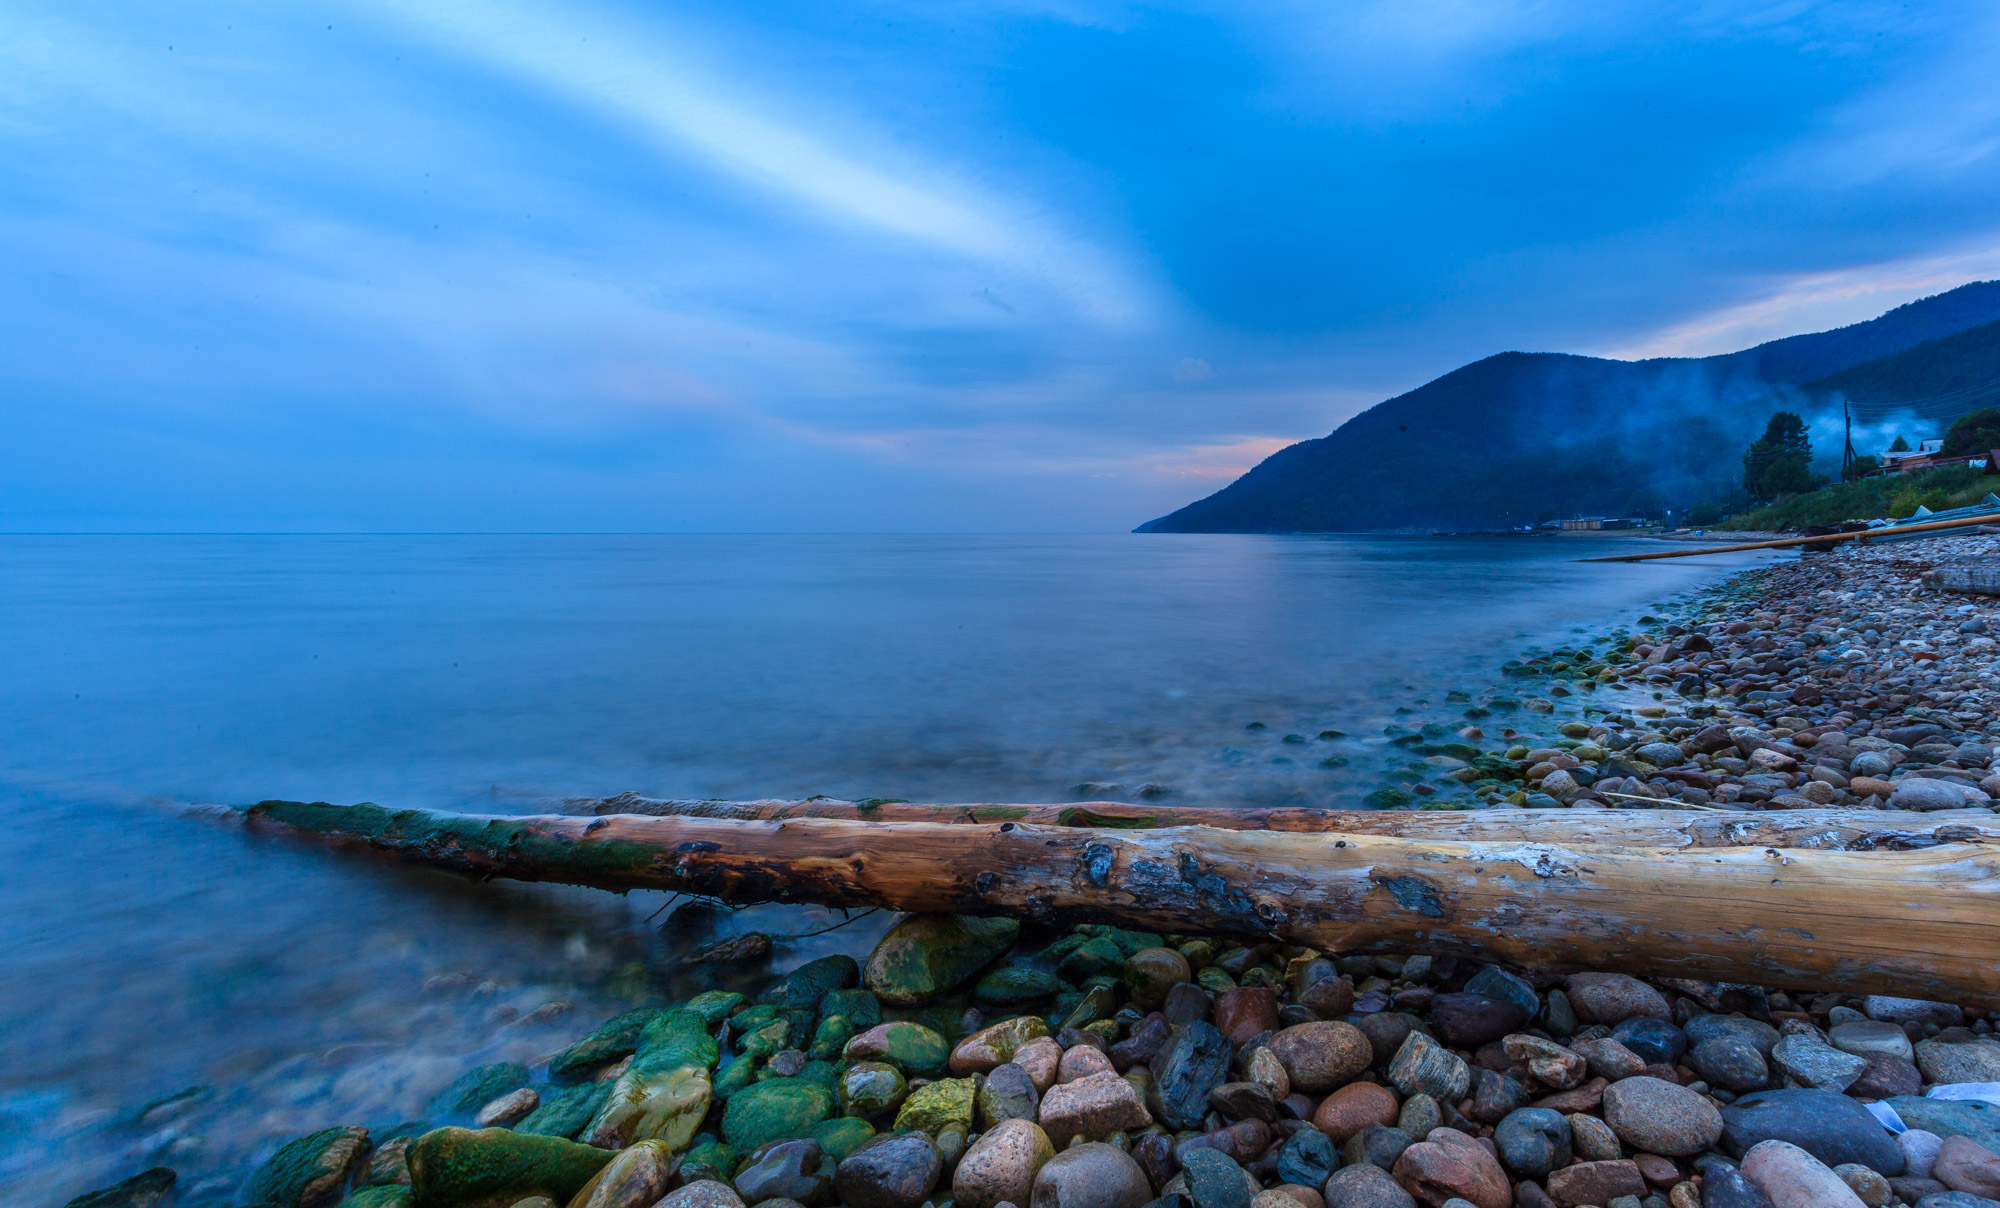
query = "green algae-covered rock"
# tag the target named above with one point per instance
(495, 1167)
(1097, 956)
(1129, 942)
(994, 1046)
(830, 1038)
(839, 1137)
(926, 955)
(616, 1037)
(388, 1196)
(652, 1104)
(814, 978)
(312, 1171)
(566, 1113)
(775, 1110)
(1014, 987)
(677, 1038)
(709, 1159)
(861, 1007)
(823, 1072)
(940, 1105)
(870, 1090)
(1099, 1002)
(916, 1050)
(734, 1077)
(637, 1177)
(714, 1005)
(477, 1088)
(142, 1190)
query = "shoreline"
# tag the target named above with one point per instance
(1794, 706)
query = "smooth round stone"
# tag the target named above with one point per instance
(1756, 1033)
(1007, 1094)
(1656, 1116)
(792, 1170)
(1532, 1141)
(1151, 972)
(1871, 1188)
(1920, 1151)
(1592, 1139)
(1867, 1036)
(1015, 987)
(896, 1171)
(1793, 1178)
(1354, 1107)
(1321, 1056)
(1376, 1145)
(1613, 998)
(1731, 1063)
(1725, 1187)
(1419, 1116)
(704, 1193)
(1001, 1166)
(1091, 1175)
(1826, 1124)
(1467, 1021)
(870, 1090)
(1657, 1041)
(1366, 1187)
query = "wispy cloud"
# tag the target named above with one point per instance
(638, 79)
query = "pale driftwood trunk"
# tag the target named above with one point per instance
(1919, 923)
(1668, 825)
(1980, 578)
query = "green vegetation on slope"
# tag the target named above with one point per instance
(1892, 497)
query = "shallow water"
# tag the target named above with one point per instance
(146, 950)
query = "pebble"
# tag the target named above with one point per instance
(1533, 1141)
(896, 1171)
(1001, 1166)
(1319, 1057)
(1793, 1178)
(1354, 1107)
(1366, 1187)
(1450, 1163)
(1965, 1165)
(1091, 1175)
(1094, 1106)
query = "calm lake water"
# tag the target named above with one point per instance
(147, 950)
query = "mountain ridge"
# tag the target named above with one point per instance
(1463, 449)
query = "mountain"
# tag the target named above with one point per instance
(1503, 440)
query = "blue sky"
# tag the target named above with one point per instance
(763, 266)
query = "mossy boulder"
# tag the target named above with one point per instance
(861, 1007)
(814, 978)
(871, 1090)
(312, 1171)
(839, 1137)
(390, 1196)
(830, 1038)
(774, 1110)
(714, 1005)
(1097, 956)
(1015, 986)
(476, 1088)
(653, 1104)
(637, 1177)
(614, 1038)
(938, 1106)
(926, 955)
(677, 1038)
(495, 1167)
(142, 1190)
(709, 1159)
(918, 1051)
(993, 1046)
(565, 1113)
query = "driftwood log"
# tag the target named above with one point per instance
(1849, 829)
(1921, 923)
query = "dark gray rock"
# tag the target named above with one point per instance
(1532, 1142)
(1756, 1033)
(791, 1170)
(896, 1171)
(1467, 1021)
(1826, 1124)
(1656, 1040)
(1730, 1062)
(1307, 1158)
(1377, 1145)
(142, 1190)
(1957, 1199)
(1725, 1187)
(1193, 1062)
(1215, 1180)
(1495, 982)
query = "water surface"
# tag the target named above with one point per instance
(145, 952)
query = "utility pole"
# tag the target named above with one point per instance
(1847, 453)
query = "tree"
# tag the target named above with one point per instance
(1901, 445)
(1973, 433)
(1784, 439)
(1862, 467)
(1787, 474)
(1701, 515)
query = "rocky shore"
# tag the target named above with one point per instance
(967, 1063)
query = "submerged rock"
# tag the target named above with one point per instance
(311, 1172)
(467, 1168)
(926, 955)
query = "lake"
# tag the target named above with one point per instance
(265, 987)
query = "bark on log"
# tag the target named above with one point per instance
(1915, 923)
(1660, 827)
(1980, 579)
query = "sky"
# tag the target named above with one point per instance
(363, 265)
